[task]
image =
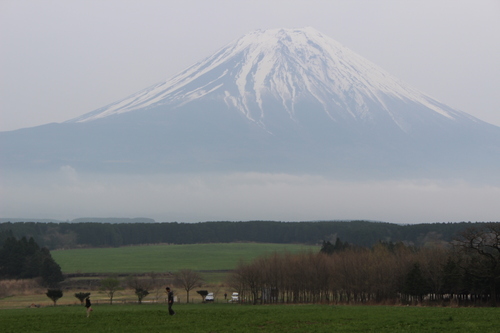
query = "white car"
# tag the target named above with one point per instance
(209, 297)
(235, 297)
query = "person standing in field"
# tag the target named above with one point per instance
(88, 305)
(170, 301)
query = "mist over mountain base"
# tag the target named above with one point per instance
(245, 196)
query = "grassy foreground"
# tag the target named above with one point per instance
(162, 258)
(247, 318)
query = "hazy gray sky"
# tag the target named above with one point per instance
(60, 59)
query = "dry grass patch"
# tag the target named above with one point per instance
(19, 287)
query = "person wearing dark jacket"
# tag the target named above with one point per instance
(88, 305)
(170, 301)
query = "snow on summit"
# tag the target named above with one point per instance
(283, 67)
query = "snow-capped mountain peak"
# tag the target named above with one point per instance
(285, 66)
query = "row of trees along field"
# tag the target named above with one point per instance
(361, 233)
(151, 284)
(466, 272)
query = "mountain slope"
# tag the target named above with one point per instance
(288, 67)
(282, 100)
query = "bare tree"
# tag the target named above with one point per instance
(252, 278)
(273, 278)
(433, 261)
(384, 273)
(480, 246)
(187, 279)
(110, 285)
(235, 281)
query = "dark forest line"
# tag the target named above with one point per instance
(361, 233)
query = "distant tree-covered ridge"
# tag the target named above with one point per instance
(113, 220)
(83, 219)
(360, 233)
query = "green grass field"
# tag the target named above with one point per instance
(247, 318)
(163, 258)
(15, 316)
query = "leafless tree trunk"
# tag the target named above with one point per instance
(187, 279)
(481, 247)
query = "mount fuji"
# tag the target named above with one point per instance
(280, 100)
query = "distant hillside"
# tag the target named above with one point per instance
(113, 220)
(362, 233)
(19, 219)
(82, 220)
